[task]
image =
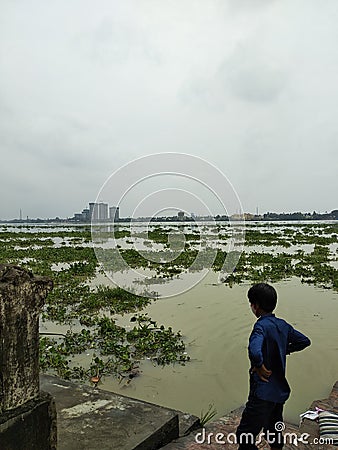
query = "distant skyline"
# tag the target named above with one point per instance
(170, 214)
(248, 85)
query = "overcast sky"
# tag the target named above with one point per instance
(248, 85)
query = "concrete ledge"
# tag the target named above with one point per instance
(187, 423)
(31, 426)
(94, 419)
(161, 437)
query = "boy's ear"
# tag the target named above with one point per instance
(254, 308)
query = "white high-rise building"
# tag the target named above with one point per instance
(103, 211)
(93, 211)
(114, 213)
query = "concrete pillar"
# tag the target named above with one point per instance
(22, 296)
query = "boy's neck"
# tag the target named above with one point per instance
(261, 313)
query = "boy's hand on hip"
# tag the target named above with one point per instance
(262, 372)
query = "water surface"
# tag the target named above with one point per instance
(216, 321)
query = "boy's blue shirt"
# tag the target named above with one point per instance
(270, 341)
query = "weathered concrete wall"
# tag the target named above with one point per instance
(31, 426)
(21, 297)
(27, 417)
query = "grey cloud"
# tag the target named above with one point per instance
(115, 41)
(255, 84)
(248, 84)
(253, 81)
(249, 5)
(246, 75)
(51, 140)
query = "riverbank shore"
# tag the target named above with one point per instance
(220, 433)
(90, 418)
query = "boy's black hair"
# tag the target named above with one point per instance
(264, 296)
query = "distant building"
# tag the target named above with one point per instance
(180, 215)
(114, 213)
(85, 215)
(103, 211)
(98, 212)
(93, 211)
(237, 217)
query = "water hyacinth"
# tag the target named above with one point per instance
(273, 252)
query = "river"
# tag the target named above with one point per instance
(216, 321)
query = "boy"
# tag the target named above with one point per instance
(269, 343)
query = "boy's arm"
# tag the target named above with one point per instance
(256, 355)
(255, 346)
(297, 341)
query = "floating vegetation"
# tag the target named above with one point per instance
(113, 349)
(63, 253)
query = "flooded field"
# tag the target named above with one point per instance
(299, 259)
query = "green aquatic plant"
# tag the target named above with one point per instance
(209, 414)
(115, 351)
(63, 254)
